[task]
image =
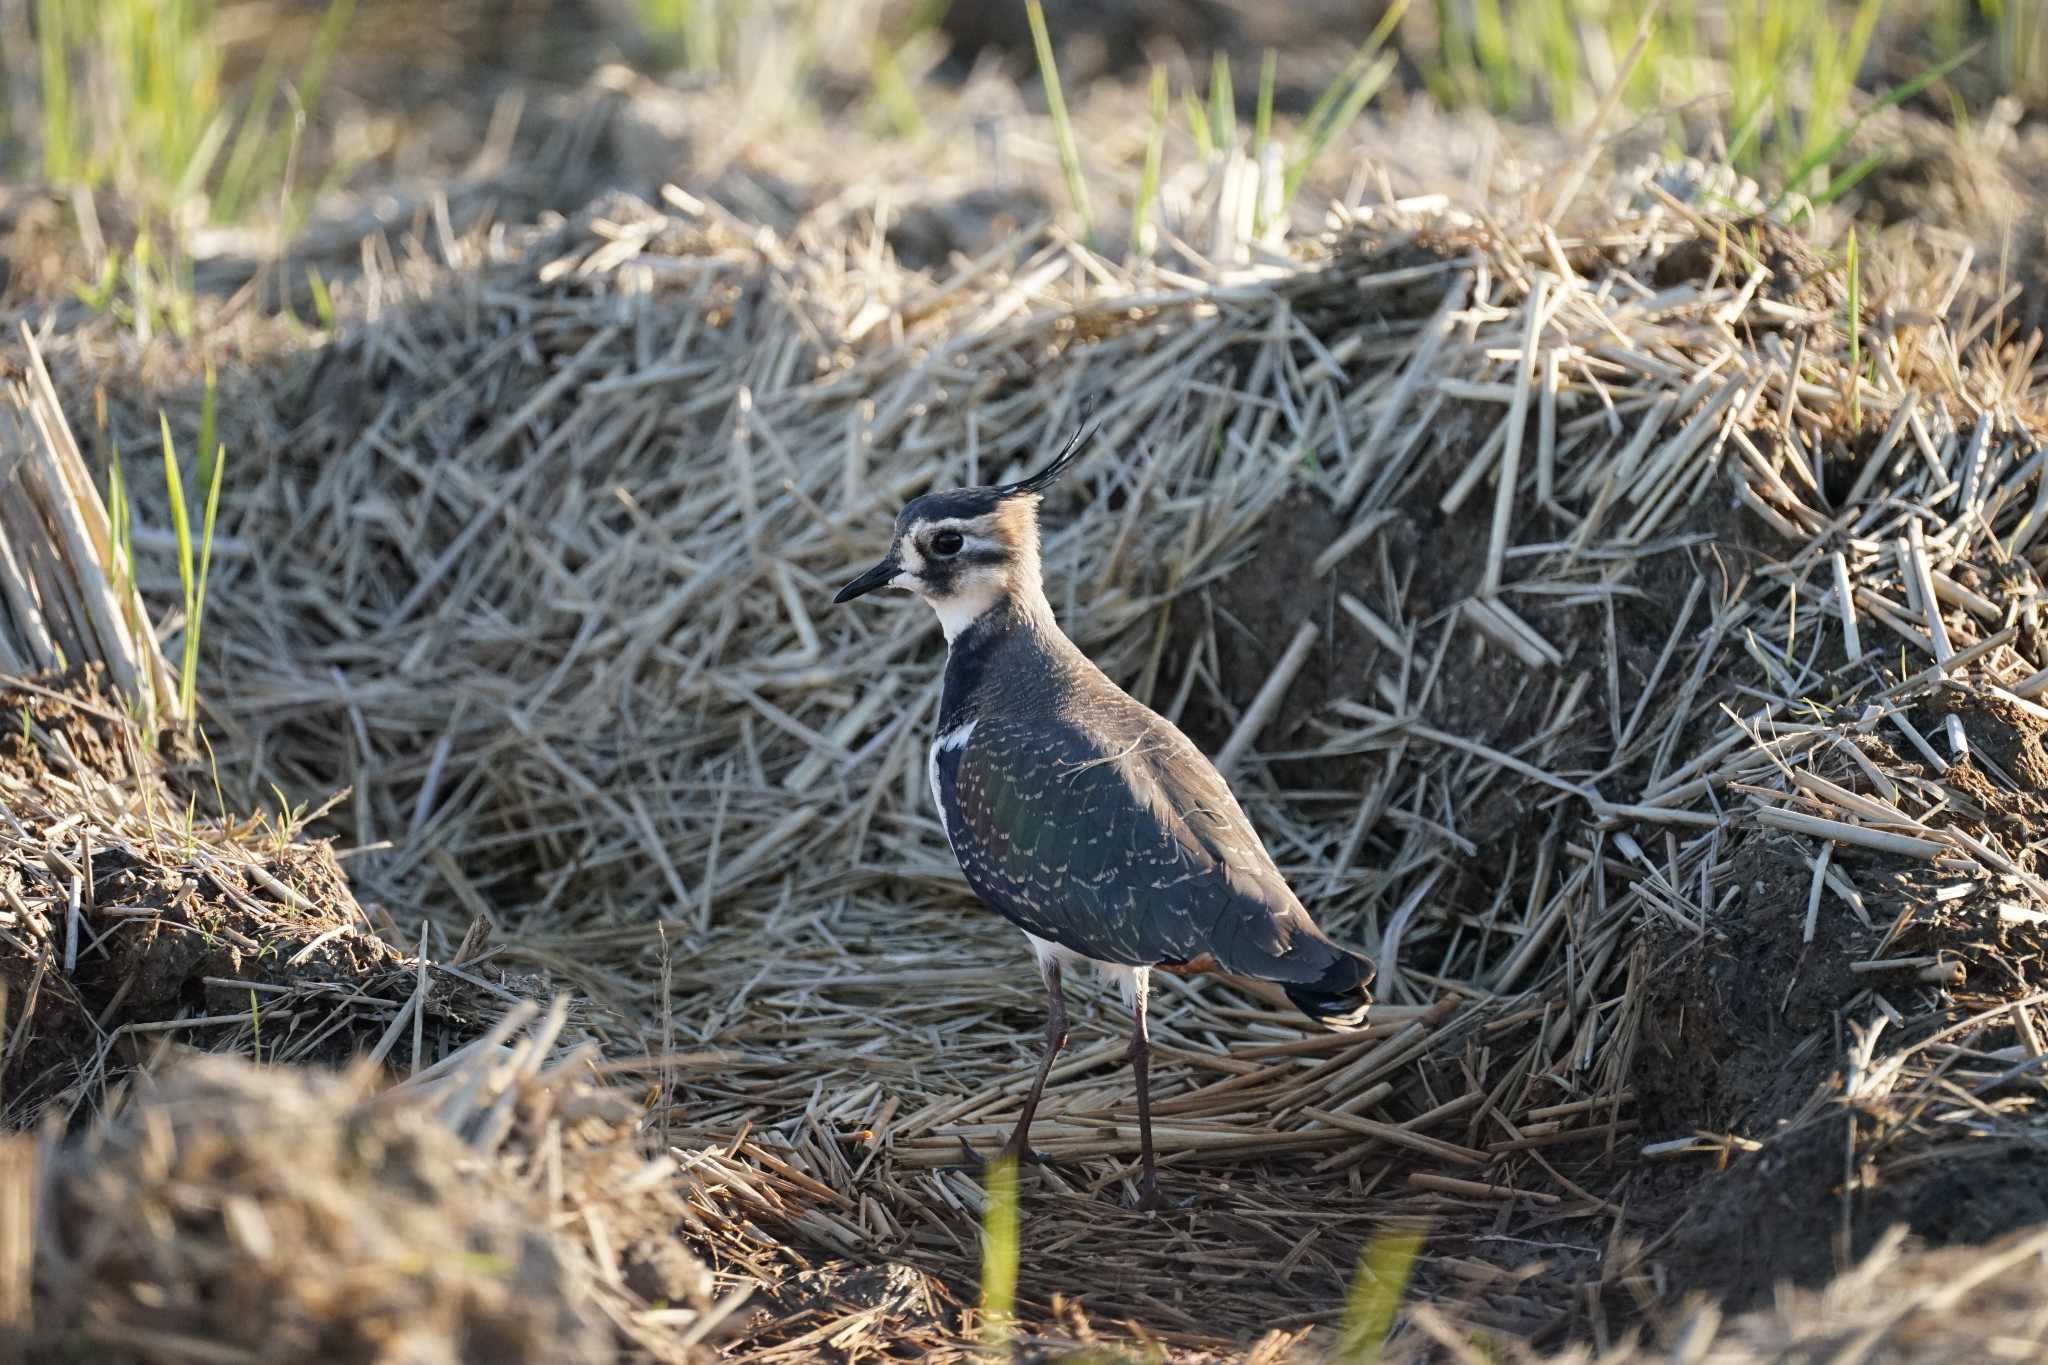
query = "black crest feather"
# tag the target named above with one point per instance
(1050, 475)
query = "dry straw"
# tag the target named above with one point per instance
(534, 563)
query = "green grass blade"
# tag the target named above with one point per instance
(323, 302)
(207, 421)
(203, 156)
(61, 140)
(1376, 1292)
(181, 526)
(313, 75)
(231, 197)
(1155, 152)
(1316, 140)
(1861, 29)
(1496, 56)
(260, 148)
(1198, 125)
(1556, 45)
(1743, 148)
(99, 296)
(1846, 181)
(1897, 95)
(1323, 110)
(189, 674)
(1222, 102)
(999, 1253)
(892, 93)
(1056, 105)
(1262, 117)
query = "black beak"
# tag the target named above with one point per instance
(877, 577)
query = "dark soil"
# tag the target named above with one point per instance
(1747, 1028)
(182, 927)
(62, 722)
(1741, 1025)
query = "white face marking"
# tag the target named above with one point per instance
(971, 588)
(976, 533)
(912, 560)
(952, 739)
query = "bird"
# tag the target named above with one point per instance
(1078, 813)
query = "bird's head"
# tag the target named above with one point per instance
(966, 549)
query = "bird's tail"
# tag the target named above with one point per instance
(1338, 998)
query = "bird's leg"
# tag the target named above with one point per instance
(1148, 1181)
(1055, 1039)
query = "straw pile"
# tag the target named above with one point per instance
(1897, 1306)
(491, 1208)
(1598, 562)
(1618, 624)
(219, 1211)
(129, 920)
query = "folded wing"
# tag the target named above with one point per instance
(1111, 835)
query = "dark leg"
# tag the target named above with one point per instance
(1148, 1181)
(1055, 1039)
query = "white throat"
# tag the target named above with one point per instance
(963, 609)
(958, 612)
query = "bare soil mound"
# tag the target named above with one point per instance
(134, 922)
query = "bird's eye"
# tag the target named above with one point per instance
(946, 544)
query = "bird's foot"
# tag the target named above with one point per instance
(1150, 1200)
(975, 1161)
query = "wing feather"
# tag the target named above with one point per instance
(1111, 835)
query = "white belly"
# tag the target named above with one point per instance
(1133, 982)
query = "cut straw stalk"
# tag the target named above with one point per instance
(1517, 422)
(57, 554)
(1842, 832)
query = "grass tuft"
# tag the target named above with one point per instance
(161, 117)
(1342, 101)
(193, 569)
(1063, 129)
(1788, 69)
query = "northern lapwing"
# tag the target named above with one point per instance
(1079, 814)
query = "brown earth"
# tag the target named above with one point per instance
(177, 921)
(1747, 1029)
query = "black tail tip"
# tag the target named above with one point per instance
(1340, 999)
